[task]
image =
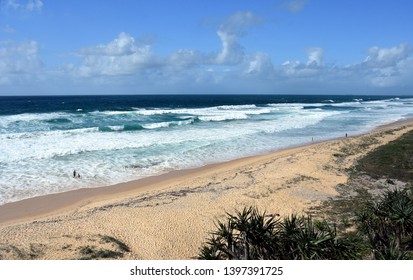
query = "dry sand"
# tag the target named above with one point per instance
(169, 216)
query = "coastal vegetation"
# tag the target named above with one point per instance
(372, 219)
(383, 230)
(393, 161)
(93, 247)
(92, 252)
(250, 234)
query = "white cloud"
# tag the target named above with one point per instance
(315, 57)
(19, 61)
(126, 60)
(30, 5)
(122, 56)
(385, 67)
(123, 45)
(231, 52)
(298, 69)
(385, 57)
(294, 6)
(233, 27)
(11, 4)
(239, 23)
(260, 64)
(290, 68)
(184, 59)
(34, 5)
(399, 74)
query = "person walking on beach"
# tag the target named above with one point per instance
(74, 173)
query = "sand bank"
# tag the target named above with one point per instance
(169, 216)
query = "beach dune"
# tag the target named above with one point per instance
(170, 216)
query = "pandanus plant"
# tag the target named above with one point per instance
(249, 234)
(388, 225)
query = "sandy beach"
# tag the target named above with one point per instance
(170, 216)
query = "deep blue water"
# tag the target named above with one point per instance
(47, 104)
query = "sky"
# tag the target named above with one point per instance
(81, 47)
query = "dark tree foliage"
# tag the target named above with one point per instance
(384, 230)
(252, 235)
(388, 225)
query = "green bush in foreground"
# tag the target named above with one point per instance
(384, 231)
(252, 235)
(388, 225)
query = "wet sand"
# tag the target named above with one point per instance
(169, 216)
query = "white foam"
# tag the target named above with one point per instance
(113, 113)
(156, 125)
(185, 121)
(31, 159)
(223, 117)
(117, 127)
(237, 107)
(5, 121)
(219, 113)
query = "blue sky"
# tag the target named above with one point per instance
(200, 47)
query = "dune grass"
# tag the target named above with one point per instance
(393, 160)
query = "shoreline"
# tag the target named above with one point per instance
(59, 203)
(170, 216)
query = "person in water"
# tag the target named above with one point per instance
(76, 174)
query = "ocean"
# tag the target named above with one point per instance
(113, 139)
